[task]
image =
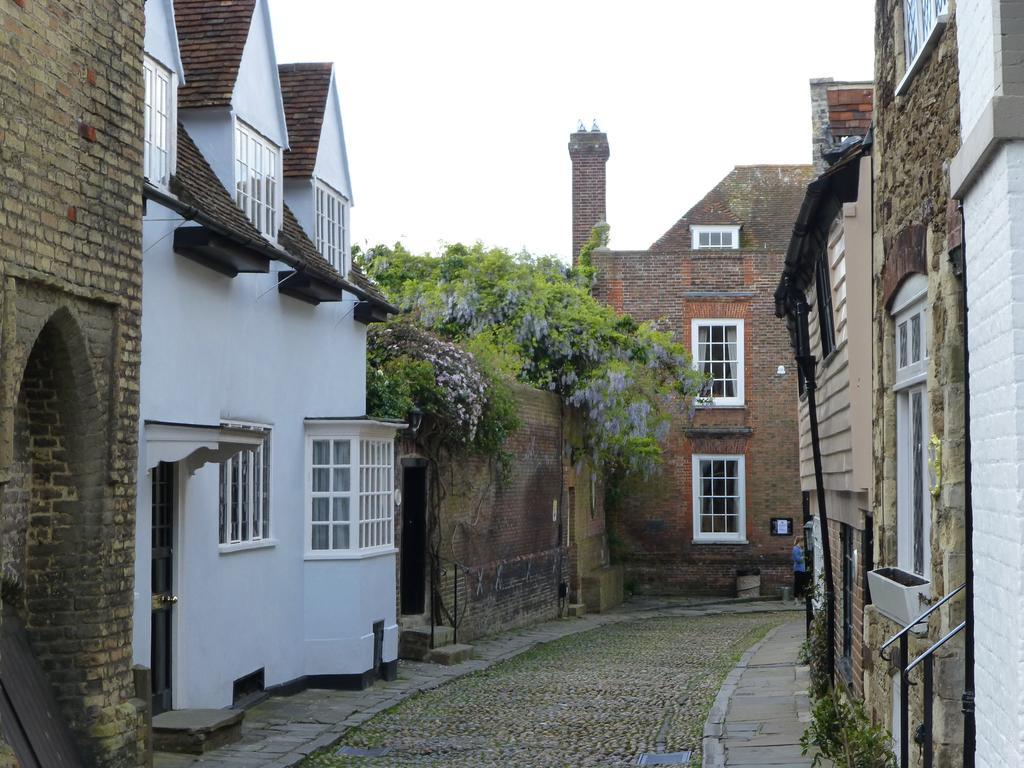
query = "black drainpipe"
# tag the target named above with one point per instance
(968, 695)
(806, 361)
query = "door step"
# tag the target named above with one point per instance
(450, 655)
(195, 731)
(414, 642)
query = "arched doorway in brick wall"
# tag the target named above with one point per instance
(54, 532)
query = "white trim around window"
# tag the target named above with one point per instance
(332, 236)
(716, 237)
(719, 499)
(717, 348)
(923, 22)
(159, 122)
(244, 502)
(257, 182)
(350, 489)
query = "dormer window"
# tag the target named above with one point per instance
(257, 164)
(332, 226)
(706, 237)
(156, 155)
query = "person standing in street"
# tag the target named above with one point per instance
(799, 569)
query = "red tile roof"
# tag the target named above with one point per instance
(762, 199)
(849, 110)
(304, 89)
(211, 38)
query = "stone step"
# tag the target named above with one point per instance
(449, 655)
(577, 610)
(414, 642)
(195, 731)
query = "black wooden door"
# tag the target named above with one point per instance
(163, 585)
(414, 539)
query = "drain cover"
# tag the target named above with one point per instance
(359, 752)
(664, 758)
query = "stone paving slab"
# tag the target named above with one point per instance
(762, 709)
(281, 731)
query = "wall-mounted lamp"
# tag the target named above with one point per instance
(780, 371)
(415, 421)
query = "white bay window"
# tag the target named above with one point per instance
(350, 482)
(245, 493)
(257, 163)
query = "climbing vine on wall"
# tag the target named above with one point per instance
(532, 319)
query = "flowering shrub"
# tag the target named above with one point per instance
(534, 319)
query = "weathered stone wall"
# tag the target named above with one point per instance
(70, 239)
(917, 133)
(506, 532)
(653, 524)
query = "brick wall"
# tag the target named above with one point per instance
(654, 524)
(589, 154)
(501, 530)
(70, 235)
(917, 133)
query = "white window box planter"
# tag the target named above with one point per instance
(899, 595)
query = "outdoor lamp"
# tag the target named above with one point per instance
(415, 420)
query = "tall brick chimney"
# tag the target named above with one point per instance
(589, 153)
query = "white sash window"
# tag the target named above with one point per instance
(257, 163)
(158, 122)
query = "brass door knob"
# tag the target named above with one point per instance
(169, 599)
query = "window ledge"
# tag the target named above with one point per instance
(922, 55)
(720, 541)
(722, 406)
(245, 546)
(354, 554)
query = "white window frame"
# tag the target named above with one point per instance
(332, 225)
(713, 231)
(740, 536)
(696, 324)
(837, 270)
(910, 387)
(159, 122)
(260, 198)
(258, 461)
(923, 22)
(371, 489)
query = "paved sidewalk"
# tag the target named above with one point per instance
(762, 709)
(281, 731)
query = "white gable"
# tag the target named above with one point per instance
(257, 96)
(162, 36)
(332, 155)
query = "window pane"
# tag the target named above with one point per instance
(342, 452)
(321, 480)
(915, 339)
(321, 509)
(902, 346)
(321, 537)
(917, 454)
(340, 509)
(321, 452)
(342, 479)
(341, 536)
(704, 238)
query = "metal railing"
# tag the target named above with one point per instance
(456, 618)
(906, 668)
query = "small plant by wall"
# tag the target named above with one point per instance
(842, 733)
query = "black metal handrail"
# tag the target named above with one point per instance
(905, 669)
(455, 594)
(922, 617)
(927, 659)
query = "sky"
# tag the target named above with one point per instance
(457, 115)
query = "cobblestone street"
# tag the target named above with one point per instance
(599, 698)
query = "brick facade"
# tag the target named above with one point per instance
(654, 524)
(506, 533)
(917, 133)
(589, 153)
(70, 234)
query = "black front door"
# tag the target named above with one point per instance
(414, 539)
(163, 585)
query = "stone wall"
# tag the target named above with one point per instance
(653, 521)
(70, 237)
(917, 134)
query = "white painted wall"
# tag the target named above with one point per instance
(300, 196)
(332, 157)
(216, 348)
(162, 36)
(257, 95)
(994, 248)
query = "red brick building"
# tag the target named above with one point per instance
(732, 467)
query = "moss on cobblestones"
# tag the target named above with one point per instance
(597, 698)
